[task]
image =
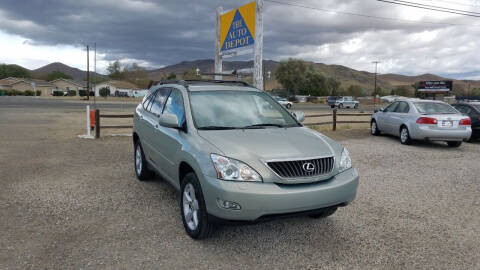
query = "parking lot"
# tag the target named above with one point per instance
(72, 203)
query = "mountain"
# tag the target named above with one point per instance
(346, 75)
(75, 73)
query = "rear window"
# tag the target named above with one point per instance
(434, 108)
(477, 107)
(333, 98)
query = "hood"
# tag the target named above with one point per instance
(270, 143)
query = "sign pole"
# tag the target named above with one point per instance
(218, 57)
(258, 47)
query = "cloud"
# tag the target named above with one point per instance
(158, 33)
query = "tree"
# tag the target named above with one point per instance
(104, 92)
(190, 75)
(299, 77)
(13, 71)
(333, 86)
(57, 74)
(171, 76)
(115, 70)
(402, 90)
(355, 90)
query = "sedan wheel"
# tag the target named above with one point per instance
(289, 106)
(374, 128)
(405, 136)
(340, 106)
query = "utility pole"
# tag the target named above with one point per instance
(94, 75)
(88, 74)
(375, 87)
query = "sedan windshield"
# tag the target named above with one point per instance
(237, 109)
(434, 108)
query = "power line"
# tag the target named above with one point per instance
(449, 9)
(296, 4)
(440, 9)
(455, 3)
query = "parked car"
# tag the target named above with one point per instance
(234, 153)
(284, 102)
(390, 99)
(346, 102)
(331, 101)
(417, 119)
(472, 109)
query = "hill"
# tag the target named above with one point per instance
(75, 73)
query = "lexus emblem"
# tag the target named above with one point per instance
(308, 167)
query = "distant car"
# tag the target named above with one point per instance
(284, 102)
(331, 101)
(346, 102)
(472, 109)
(417, 119)
(390, 99)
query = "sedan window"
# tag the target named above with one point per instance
(391, 107)
(434, 108)
(402, 107)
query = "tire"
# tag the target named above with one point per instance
(454, 144)
(405, 136)
(193, 209)
(141, 167)
(340, 106)
(355, 106)
(374, 128)
(332, 106)
(326, 213)
(288, 106)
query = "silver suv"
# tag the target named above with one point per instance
(235, 153)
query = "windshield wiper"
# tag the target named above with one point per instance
(216, 128)
(263, 125)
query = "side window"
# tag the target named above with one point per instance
(402, 107)
(391, 107)
(174, 105)
(159, 101)
(147, 100)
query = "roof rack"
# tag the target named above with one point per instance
(186, 83)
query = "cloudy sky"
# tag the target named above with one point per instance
(155, 33)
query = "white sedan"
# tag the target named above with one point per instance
(284, 102)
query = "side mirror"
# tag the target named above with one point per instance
(169, 120)
(299, 115)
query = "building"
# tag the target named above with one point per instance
(24, 84)
(117, 88)
(67, 85)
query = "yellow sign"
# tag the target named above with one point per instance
(237, 28)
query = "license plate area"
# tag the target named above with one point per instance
(447, 123)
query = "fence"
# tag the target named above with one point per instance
(335, 120)
(333, 114)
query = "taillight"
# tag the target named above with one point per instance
(427, 121)
(466, 122)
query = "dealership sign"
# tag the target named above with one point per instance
(435, 86)
(237, 30)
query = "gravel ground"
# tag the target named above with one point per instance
(71, 203)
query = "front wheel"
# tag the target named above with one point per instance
(355, 106)
(340, 106)
(141, 168)
(374, 128)
(405, 136)
(289, 106)
(454, 144)
(194, 211)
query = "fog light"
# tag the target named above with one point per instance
(228, 205)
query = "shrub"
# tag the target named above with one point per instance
(72, 93)
(292, 99)
(39, 93)
(82, 93)
(104, 92)
(17, 93)
(57, 93)
(29, 93)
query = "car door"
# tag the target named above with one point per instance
(399, 116)
(384, 118)
(151, 119)
(169, 141)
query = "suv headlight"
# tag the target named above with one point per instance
(345, 161)
(234, 170)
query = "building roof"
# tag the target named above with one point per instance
(13, 80)
(78, 83)
(9, 80)
(120, 84)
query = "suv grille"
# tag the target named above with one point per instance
(302, 168)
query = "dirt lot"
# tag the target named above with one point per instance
(72, 203)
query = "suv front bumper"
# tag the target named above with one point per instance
(262, 199)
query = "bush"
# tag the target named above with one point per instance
(292, 99)
(82, 93)
(29, 93)
(17, 93)
(72, 93)
(39, 93)
(57, 93)
(104, 92)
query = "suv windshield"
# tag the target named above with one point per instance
(237, 109)
(434, 108)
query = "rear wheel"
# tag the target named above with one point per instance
(289, 106)
(141, 167)
(454, 144)
(374, 128)
(356, 106)
(405, 136)
(340, 106)
(194, 211)
(325, 213)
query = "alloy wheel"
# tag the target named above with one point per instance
(190, 207)
(138, 160)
